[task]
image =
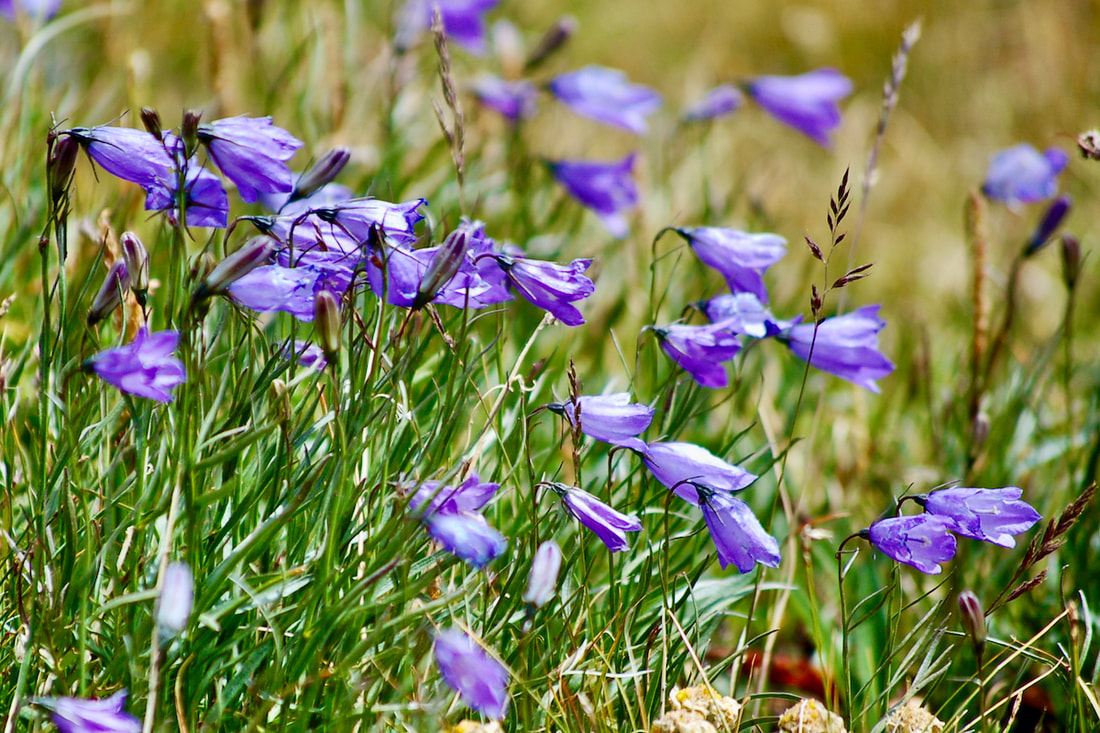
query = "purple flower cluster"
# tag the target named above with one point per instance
(451, 516)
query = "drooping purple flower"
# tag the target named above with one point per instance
(682, 467)
(990, 515)
(543, 578)
(700, 350)
(722, 100)
(144, 367)
(736, 532)
(252, 153)
(1052, 219)
(289, 289)
(612, 418)
(463, 22)
(75, 715)
(605, 95)
(548, 285)
(606, 188)
(355, 217)
(744, 313)
(922, 540)
(741, 257)
(177, 596)
(470, 495)
(606, 523)
(515, 100)
(37, 9)
(207, 202)
(324, 197)
(467, 536)
(308, 354)
(480, 679)
(1023, 175)
(127, 153)
(846, 346)
(807, 102)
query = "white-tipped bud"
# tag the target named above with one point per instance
(177, 596)
(110, 293)
(973, 618)
(254, 253)
(543, 580)
(137, 262)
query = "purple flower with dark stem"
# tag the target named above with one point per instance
(144, 367)
(324, 197)
(736, 532)
(548, 285)
(207, 203)
(611, 418)
(606, 523)
(744, 313)
(700, 350)
(357, 216)
(467, 536)
(74, 715)
(922, 540)
(605, 95)
(132, 155)
(308, 354)
(1023, 175)
(606, 188)
(37, 9)
(846, 346)
(288, 289)
(682, 467)
(480, 679)
(722, 100)
(463, 22)
(807, 102)
(1052, 219)
(252, 153)
(742, 258)
(515, 100)
(990, 515)
(470, 495)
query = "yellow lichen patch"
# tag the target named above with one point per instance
(682, 721)
(718, 709)
(912, 718)
(810, 716)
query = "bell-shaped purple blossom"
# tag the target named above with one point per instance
(356, 217)
(467, 536)
(470, 495)
(990, 515)
(606, 188)
(548, 285)
(700, 350)
(252, 153)
(480, 679)
(207, 203)
(144, 367)
(722, 100)
(605, 95)
(922, 540)
(127, 153)
(741, 257)
(1023, 175)
(807, 102)
(515, 100)
(606, 523)
(75, 715)
(309, 355)
(324, 197)
(737, 533)
(1052, 219)
(744, 313)
(846, 346)
(36, 9)
(463, 22)
(612, 418)
(683, 467)
(292, 289)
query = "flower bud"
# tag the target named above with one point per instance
(177, 595)
(254, 253)
(554, 38)
(281, 397)
(1053, 217)
(1071, 260)
(61, 164)
(444, 266)
(323, 172)
(151, 119)
(137, 262)
(979, 429)
(110, 293)
(973, 619)
(189, 131)
(326, 321)
(543, 580)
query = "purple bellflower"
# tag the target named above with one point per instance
(515, 100)
(744, 313)
(324, 197)
(74, 715)
(1052, 219)
(309, 355)
(846, 346)
(144, 367)
(548, 285)
(463, 22)
(807, 102)
(470, 495)
(207, 202)
(606, 188)
(132, 155)
(36, 9)
(605, 95)
(736, 532)
(252, 153)
(742, 258)
(1023, 175)
(480, 679)
(357, 216)
(722, 100)
(606, 523)
(682, 467)
(467, 536)
(990, 515)
(922, 540)
(611, 418)
(700, 350)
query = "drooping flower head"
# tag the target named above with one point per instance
(744, 313)
(605, 95)
(682, 467)
(737, 534)
(466, 668)
(742, 258)
(807, 102)
(252, 153)
(722, 100)
(606, 188)
(144, 367)
(435, 496)
(846, 346)
(1052, 219)
(463, 22)
(611, 418)
(922, 540)
(127, 153)
(606, 523)
(515, 100)
(700, 350)
(990, 515)
(548, 285)
(467, 536)
(1023, 175)
(75, 715)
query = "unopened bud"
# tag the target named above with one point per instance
(189, 131)
(151, 119)
(444, 267)
(254, 253)
(61, 164)
(326, 321)
(177, 596)
(973, 619)
(554, 38)
(281, 399)
(543, 580)
(109, 296)
(137, 262)
(1053, 217)
(979, 429)
(323, 172)
(1071, 260)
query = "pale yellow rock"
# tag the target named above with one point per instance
(810, 716)
(682, 721)
(912, 718)
(718, 709)
(472, 726)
